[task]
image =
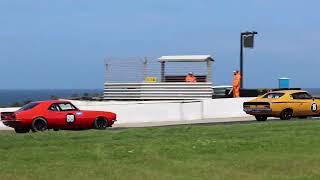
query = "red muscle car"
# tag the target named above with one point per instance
(55, 114)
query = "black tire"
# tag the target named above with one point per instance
(56, 129)
(21, 130)
(39, 125)
(286, 114)
(100, 123)
(261, 118)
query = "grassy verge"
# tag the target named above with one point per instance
(274, 150)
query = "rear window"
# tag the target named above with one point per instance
(28, 106)
(273, 95)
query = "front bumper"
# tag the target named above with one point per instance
(111, 122)
(257, 110)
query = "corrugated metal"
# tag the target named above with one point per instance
(157, 91)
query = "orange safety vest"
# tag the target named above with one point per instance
(236, 80)
(236, 85)
(191, 78)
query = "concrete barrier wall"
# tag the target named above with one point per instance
(165, 111)
(224, 108)
(6, 110)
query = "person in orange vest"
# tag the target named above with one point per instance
(236, 83)
(191, 78)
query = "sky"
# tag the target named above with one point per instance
(62, 44)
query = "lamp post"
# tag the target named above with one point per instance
(246, 41)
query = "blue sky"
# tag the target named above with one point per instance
(62, 43)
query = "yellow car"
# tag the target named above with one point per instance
(284, 104)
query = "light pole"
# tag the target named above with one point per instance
(246, 41)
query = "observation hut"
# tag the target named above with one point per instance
(185, 59)
(168, 87)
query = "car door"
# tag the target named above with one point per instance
(310, 105)
(55, 116)
(70, 114)
(296, 104)
(64, 115)
(307, 105)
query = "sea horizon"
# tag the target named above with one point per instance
(11, 96)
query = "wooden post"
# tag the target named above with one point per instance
(162, 71)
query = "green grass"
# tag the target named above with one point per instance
(272, 150)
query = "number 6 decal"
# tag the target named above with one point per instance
(314, 107)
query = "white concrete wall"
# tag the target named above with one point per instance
(6, 110)
(224, 108)
(165, 111)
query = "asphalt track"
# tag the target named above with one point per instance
(232, 121)
(204, 122)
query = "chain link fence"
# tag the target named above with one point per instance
(135, 70)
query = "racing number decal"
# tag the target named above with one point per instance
(70, 118)
(314, 107)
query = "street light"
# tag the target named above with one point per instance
(246, 41)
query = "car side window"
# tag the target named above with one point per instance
(301, 95)
(67, 107)
(295, 96)
(273, 95)
(54, 107)
(307, 96)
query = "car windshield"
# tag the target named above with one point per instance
(28, 106)
(273, 95)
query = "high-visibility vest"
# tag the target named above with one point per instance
(191, 78)
(236, 80)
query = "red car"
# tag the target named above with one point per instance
(55, 114)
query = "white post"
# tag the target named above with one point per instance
(106, 72)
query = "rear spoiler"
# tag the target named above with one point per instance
(255, 103)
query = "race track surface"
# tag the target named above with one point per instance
(216, 121)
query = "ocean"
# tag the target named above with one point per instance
(8, 97)
(314, 91)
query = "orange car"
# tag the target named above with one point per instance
(284, 104)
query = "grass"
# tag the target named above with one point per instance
(272, 150)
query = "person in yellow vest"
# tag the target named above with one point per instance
(236, 84)
(191, 78)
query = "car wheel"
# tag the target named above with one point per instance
(39, 125)
(56, 129)
(21, 130)
(261, 118)
(100, 123)
(286, 114)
